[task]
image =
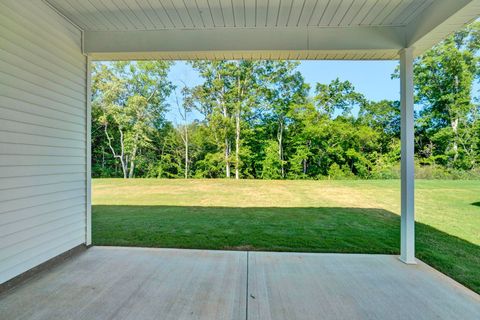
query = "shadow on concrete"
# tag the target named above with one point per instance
(325, 229)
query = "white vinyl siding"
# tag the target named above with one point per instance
(42, 136)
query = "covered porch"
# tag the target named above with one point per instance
(45, 168)
(142, 283)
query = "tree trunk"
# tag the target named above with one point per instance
(103, 157)
(227, 158)
(122, 155)
(132, 167)
(186, 152)
(238, 128)
(134, 156)
(115, 155)
(227, 146)
(280, 146)
(237, 145)
(454, 124)
(124, 168)
(221, 102)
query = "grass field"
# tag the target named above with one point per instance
(306, 216)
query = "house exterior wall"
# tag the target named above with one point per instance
(42, 136)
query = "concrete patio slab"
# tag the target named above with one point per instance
(135, 283)
(141, 283)
(351, 286)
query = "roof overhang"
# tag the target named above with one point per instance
(334, 30)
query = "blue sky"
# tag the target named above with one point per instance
(372, 78)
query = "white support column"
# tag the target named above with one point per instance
(407, 238)
(88, 156)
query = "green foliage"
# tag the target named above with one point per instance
(128, 102)
(166, 167)
(335, 172)
(259, 120)
(298, 162)
(447, 121)
(337, 96)
(210, 167)
(272, 165)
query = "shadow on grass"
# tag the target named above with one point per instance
(326, 229)
(476, 204)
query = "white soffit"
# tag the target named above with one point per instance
(263, 29)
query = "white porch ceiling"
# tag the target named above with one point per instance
(276, 29)
(95, 15)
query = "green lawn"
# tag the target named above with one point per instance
(313, 216)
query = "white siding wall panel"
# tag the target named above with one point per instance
(22, 182)
(42, 136)
(64, 203)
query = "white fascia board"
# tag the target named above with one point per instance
(438, 21)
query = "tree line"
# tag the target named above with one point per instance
(260, 119)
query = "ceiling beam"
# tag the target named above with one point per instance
(115, 44)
